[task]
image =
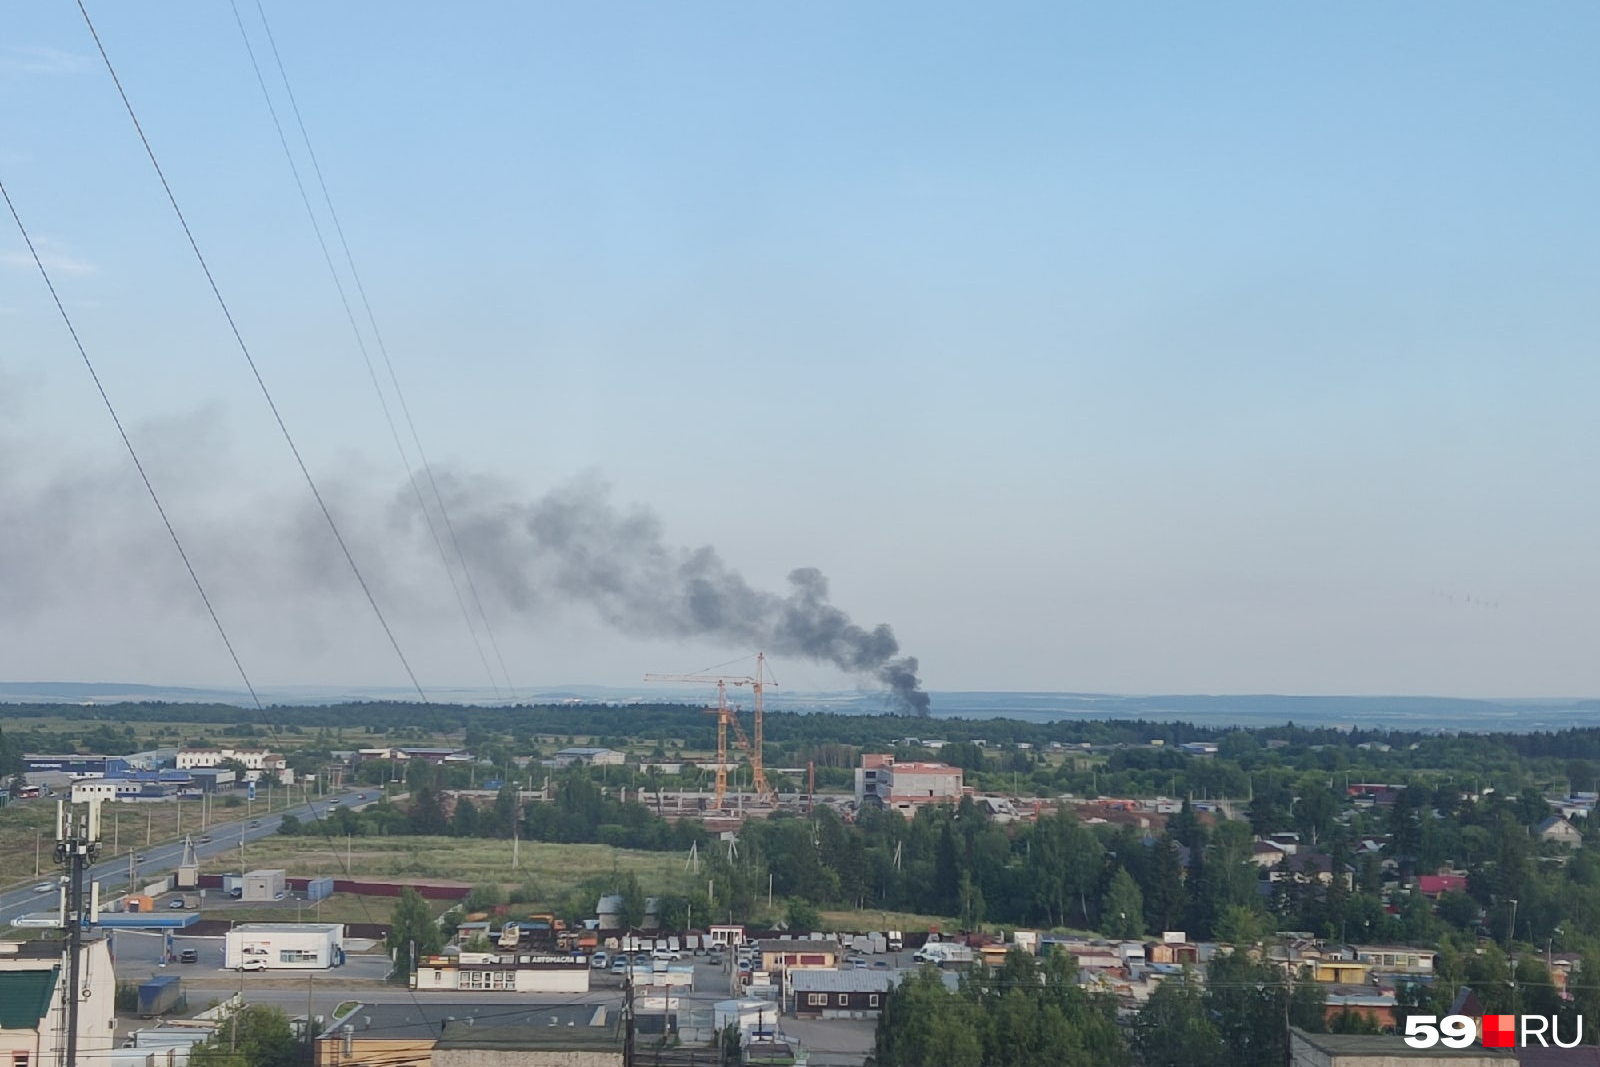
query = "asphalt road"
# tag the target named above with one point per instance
(112, 874)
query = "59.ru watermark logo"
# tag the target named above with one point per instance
(1499, 1031)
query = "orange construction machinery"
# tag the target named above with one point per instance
(727, 718)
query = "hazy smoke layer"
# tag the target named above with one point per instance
(575, 544)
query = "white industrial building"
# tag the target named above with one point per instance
(259, 763)
(285, 946)
(265, 884)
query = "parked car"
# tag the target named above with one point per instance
(255, 964)
(857, 962)
(599, 960)
(236, 892)
(619, 965)
(642, 961)
(175, 905)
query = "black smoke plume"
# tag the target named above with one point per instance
(576, 545)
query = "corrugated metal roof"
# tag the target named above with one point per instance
(859, 980)
(851, 981)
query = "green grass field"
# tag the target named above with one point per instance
(339, 908)
(28, 827)
(467, 861)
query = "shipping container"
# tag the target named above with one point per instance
(160, 995)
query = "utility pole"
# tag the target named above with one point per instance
(77, 843)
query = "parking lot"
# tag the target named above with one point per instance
(140, 954)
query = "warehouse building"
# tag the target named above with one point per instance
(284, 946)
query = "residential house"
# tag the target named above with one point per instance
(1265, 854)
(1307, 868)
(1559, 831)
(1433, 886)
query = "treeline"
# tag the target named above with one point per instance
(580, 813)
(1196, 875)
(1031, 1012)
(799, 729)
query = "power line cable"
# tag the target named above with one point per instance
(133, 453)
(383, 349)
(162, 511)
(249, 359)
(317, 816)
(361, 344)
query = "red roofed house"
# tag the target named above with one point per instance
(1433, 886)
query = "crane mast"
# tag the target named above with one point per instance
(726, 718)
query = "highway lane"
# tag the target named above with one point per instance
(159, 860)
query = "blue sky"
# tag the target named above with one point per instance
(1094, 347)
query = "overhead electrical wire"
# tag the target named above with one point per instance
(361, 345)
(383, 349)
(316, 816)
(127, 442)
(161, 510)
(255, 370)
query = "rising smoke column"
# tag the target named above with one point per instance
(575, 545)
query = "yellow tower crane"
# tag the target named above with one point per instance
(726, 717)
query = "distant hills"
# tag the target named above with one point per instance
(1363, 712)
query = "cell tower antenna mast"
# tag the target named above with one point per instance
(77, 844)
